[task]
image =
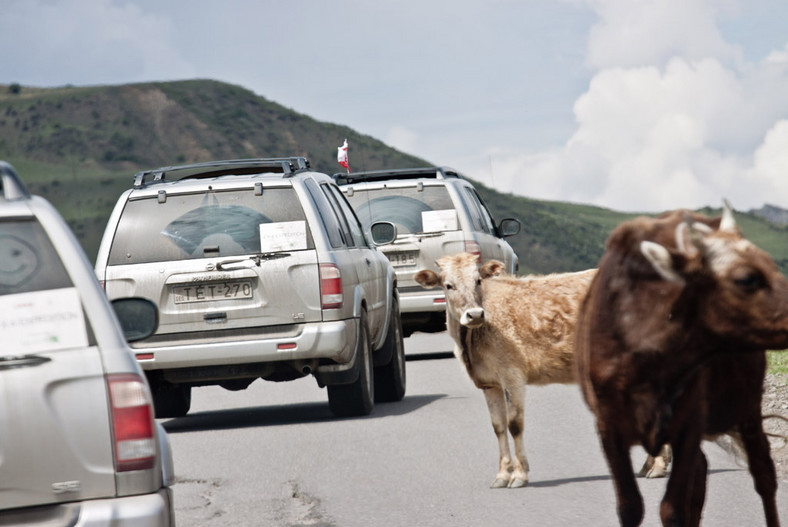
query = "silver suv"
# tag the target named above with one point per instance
(260, 269)
(78, 442)
(436, 212)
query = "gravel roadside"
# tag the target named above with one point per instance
(775, 401)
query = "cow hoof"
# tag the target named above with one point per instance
(518, 483)
(500, 483)
(656, 472)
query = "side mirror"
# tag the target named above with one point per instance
(139, 317)
(509, 227)
(383, 232)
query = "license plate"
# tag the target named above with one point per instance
(212, 291)
(402, 259)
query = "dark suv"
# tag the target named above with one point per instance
(436, 212)
(260, 269)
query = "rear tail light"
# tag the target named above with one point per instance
(132, 423)
(330, 286)
(473, 247)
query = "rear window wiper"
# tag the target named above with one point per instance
(256, 259)
(408, 237)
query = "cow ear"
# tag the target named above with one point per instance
(427, 278)
(491, 268)
(661, 260)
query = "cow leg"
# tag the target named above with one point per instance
(686, 489)
(630, 502)
(656, 467)
(762, 470)
(496, 404)
(515, 412)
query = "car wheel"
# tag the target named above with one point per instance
(390, 378)
(356, 398)
(170, 400)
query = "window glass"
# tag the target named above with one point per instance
(346, 234)
(326, 213)
(486, 216)
(352, 221)
(28, 261)
(411, 210)
(480, 218)
(211, 224)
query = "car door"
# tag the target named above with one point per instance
(369, 267)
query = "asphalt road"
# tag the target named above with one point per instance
(274, 455)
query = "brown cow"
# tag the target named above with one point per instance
(670, 344)
(509, 332)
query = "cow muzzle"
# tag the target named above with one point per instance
(472, 318)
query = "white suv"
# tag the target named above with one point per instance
(78, 442)
(260, 269)
(436, 212)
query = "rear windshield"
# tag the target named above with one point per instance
(200, 225)
(410, 209)
(28, 262)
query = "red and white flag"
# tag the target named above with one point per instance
(342, 156)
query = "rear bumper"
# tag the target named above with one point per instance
(422, 302)
(154, 510)
(321, 340)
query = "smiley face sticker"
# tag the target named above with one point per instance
(18, 261)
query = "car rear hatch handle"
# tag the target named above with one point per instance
(257, 259)
(22, 361)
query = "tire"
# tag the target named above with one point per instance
(170, 400)
(390, 378)
(357, 398)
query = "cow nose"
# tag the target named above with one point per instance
(473, 317)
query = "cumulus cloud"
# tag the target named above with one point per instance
(652, 32)
(672, 118)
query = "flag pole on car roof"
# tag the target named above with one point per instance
(342, 157)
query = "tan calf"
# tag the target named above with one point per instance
(509, 332)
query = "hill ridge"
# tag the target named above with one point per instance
(80, 146)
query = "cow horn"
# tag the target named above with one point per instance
(689, 239)
(728, 222)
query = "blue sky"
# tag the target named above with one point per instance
(630, 104)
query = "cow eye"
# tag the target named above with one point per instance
(749, 281)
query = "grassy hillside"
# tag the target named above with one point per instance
(80, 146)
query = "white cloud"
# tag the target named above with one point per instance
(668, 121)
(778, 56)
(653, 31)
(770, 166)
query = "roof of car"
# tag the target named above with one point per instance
(435, 172)
(287, 166)
(11, 187)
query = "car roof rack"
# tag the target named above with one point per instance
(287, 166)
(399, 173)
(11, 187)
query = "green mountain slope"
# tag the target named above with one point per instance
(80, 146)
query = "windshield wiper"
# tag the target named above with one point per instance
(256, 259)
(405, 238)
